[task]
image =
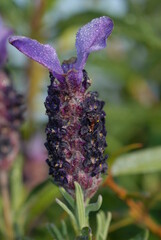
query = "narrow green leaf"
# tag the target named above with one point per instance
(146, 236)
(69, 212)
(64, 229)
(142, 161)
(2, 226)
(54, 231)
(99, 226)
(67, 197)
(80, 208)
(102, 225)
(103, 220)
(125, 149)
(106, 226)
(37, 202)
(17, 189)
(93, 207)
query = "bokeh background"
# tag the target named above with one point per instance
(127, 75)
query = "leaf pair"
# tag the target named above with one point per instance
(78, 211)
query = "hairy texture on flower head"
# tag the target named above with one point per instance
(75, 135)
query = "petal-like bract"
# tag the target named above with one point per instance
(92, 37)
(43, 54)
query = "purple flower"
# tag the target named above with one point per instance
(11, 108)
(76, 135)
(11, 112)
(5, 32)
(35, 169)
(11, 104)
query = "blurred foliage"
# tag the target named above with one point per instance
(126, 75)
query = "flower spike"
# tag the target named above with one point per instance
(75, 133)
(11, 117)
(11, 108)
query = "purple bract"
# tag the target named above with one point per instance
(76, 128)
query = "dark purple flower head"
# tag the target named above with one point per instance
(76, 128)
(5, 32)
(11, 104)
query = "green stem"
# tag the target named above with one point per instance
(6, 204)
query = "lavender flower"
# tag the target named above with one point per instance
(76, 128)
(11, 112)
(11, 108)
(35, 153)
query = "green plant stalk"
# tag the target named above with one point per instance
(6, 205)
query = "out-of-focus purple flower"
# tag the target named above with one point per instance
(76, 135)
(11, 117)
(35, 169)
(9, 147)
(5, 32)
(11, 103)
(11, 108)
(34, 149)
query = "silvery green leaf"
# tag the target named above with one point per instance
(54, 231)
(17, 189)
(69, 212)
(103, 223)
(64, 229)
(93, 207)
(80, 208)
(99, 227)
(107, 224)
(67, 197)
(38, 200)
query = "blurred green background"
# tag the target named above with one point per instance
(127, 75)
